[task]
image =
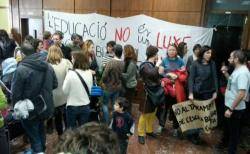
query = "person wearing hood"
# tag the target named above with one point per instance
(32, 79)
(8, 66)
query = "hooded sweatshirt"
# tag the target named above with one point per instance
(31, 74)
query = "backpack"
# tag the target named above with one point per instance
(43, 108)
(155, 94)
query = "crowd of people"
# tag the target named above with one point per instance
(48, 83)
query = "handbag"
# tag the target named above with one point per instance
(95, 90)
(156, 94)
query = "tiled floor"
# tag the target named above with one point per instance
(164, 144)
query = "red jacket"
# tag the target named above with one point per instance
(176, 89)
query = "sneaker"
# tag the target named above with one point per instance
(175, 133)
(151, 135)
(141, 139)
(159, 130)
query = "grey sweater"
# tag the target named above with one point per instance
(129, 77)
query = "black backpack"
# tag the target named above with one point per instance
(43, 107)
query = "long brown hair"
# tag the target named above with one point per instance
(129, 56)
(81, 60)
(129, 53)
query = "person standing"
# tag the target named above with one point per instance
(47, 41)
(202, 83)
(149, 72)
(57, 39)
(122, 123)
(77, 107)
(129, 74)
(89, 50)
(112, 80)
(4, 145)
(235, 97)
(109, 54)
(61, 67)
(173, 71)
(192, 58)
(33, 79)
(75, 42)
(7, 46)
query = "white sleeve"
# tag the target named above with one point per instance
(132, 129)
(111, 123)
(66, 83)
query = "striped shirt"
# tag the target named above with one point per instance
(107, 58)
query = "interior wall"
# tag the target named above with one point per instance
(90, 6)
(62, 5)
(5, 15)
(178, 11)
(15, 14)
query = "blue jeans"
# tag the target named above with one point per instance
(105, 107)
(78, 114)
(36, 134)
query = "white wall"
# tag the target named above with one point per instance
(36, 24)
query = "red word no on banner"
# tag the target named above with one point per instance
(122, 34)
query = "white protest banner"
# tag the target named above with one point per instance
(139, 31)
(196, 114)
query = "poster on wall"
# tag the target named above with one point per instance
(140, 31)
(36, 28)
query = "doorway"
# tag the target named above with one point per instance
(24, 27)
(225, 40)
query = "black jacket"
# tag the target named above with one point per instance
(31, 74)
(203, 78)
(151, 78)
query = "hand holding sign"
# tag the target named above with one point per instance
(191, 97)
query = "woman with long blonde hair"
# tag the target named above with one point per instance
(89, 50)
(61, 67)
